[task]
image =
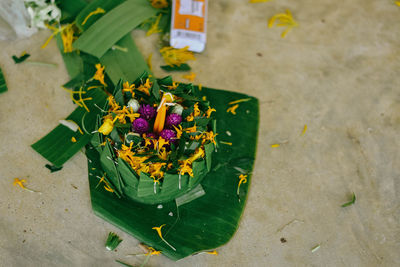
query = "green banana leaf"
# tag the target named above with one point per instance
(204, 223)
(114, 25)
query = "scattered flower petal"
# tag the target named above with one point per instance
(99, 10)
(190, 76)
(176, 57)
(304, 129)
(284, 20)
(232, 109)
(159, 3)
(158, 229)
(242, 180)
(154, 27)
(99, 75)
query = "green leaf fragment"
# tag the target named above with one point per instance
(113, 241)
(3, 85)
(53, 168)
(125, 264)
(351, 202)
(182, 67)
(20, 59)
(209, 149)
(315, 248)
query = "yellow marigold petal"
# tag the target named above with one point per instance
(239, 101)
(271, 21)
(55, 32)
(242, 180)
(149, 61)
(99, 10)
(19, 182)
(275, 145)
(178, 131)
(159, 3)
(154, 27)
(99, 75)
(108, 188)
(67, 37)
(190, 76)
(158, 229)
(226, 143)
(304, 129)
(232, 109)
(285, 32)
(176, 57)
(284, 20)
(73, 139)
(214, 252)
(209, 111)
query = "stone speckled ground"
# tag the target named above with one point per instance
(338, 73)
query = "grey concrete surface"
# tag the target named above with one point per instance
(338, 73)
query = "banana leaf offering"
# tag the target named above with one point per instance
(154, 150)
(170, 163)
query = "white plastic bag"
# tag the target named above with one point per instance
(22, 18)
(14, 20)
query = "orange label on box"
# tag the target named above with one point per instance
(190, 15)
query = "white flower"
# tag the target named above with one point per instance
(178, 109)
(134, 104)
(42, 12)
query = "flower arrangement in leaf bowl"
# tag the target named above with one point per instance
(155, 168)
(154, 151)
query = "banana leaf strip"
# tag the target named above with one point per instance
(205, 222)
(115, 24)
(53, 168)
(209, 149)
(182, 67)
(20, 59)
(3, 85)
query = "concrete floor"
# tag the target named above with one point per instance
(338, 73)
